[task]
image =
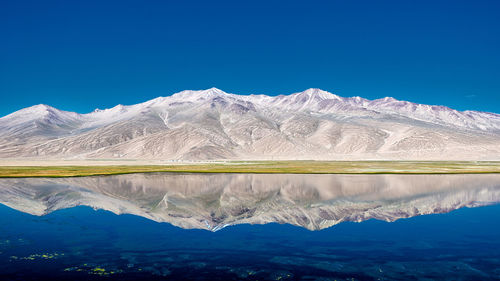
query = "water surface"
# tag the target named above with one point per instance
(251, 226)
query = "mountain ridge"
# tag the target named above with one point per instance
(213, 124)
(216, 90)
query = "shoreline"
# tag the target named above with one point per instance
(81, 169)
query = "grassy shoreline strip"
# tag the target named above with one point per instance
(283, 167)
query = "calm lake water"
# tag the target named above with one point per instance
(251, 226)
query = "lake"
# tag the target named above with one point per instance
(159, 226)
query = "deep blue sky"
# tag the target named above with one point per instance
(80, 55)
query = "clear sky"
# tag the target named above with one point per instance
(82, 55)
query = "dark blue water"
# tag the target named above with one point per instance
(83, 244)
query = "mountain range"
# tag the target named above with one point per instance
(213, 124)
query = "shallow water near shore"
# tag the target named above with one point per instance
(255, 227)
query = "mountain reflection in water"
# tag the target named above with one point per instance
(214, 201)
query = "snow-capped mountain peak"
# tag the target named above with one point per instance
(41, 112)
(35, 111)
(198, 95)
(316, 93)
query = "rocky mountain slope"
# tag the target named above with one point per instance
(212, 124)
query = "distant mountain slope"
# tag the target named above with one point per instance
(212, 124)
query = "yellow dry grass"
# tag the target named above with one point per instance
(278, 167)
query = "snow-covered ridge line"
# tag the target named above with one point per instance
(313, 100)
(309, 95)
